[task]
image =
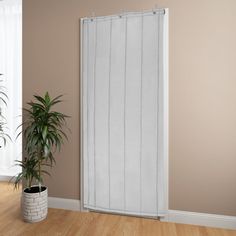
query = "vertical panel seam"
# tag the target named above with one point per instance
(158, 78)
(94, 113)
(141, 113)
(109, 116)
(88, 195)
(125, 61)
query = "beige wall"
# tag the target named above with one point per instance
(202, 91)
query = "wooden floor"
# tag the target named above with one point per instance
(62, 222)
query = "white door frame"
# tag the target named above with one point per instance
(165, 114)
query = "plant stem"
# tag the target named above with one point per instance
(30, 182)
(39, 174)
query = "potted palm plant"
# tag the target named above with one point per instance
(43, 135)
(3, 100)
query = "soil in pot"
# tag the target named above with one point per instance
(34, 189)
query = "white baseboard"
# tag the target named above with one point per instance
(182, 217)
(63, 203)
(203, 219)
(5, 178)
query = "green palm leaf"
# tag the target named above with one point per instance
(4, 136)
(43, 134)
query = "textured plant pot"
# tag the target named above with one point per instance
(34, 205)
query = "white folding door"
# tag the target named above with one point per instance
(124, 121)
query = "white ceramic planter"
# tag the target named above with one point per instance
(34, 205)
